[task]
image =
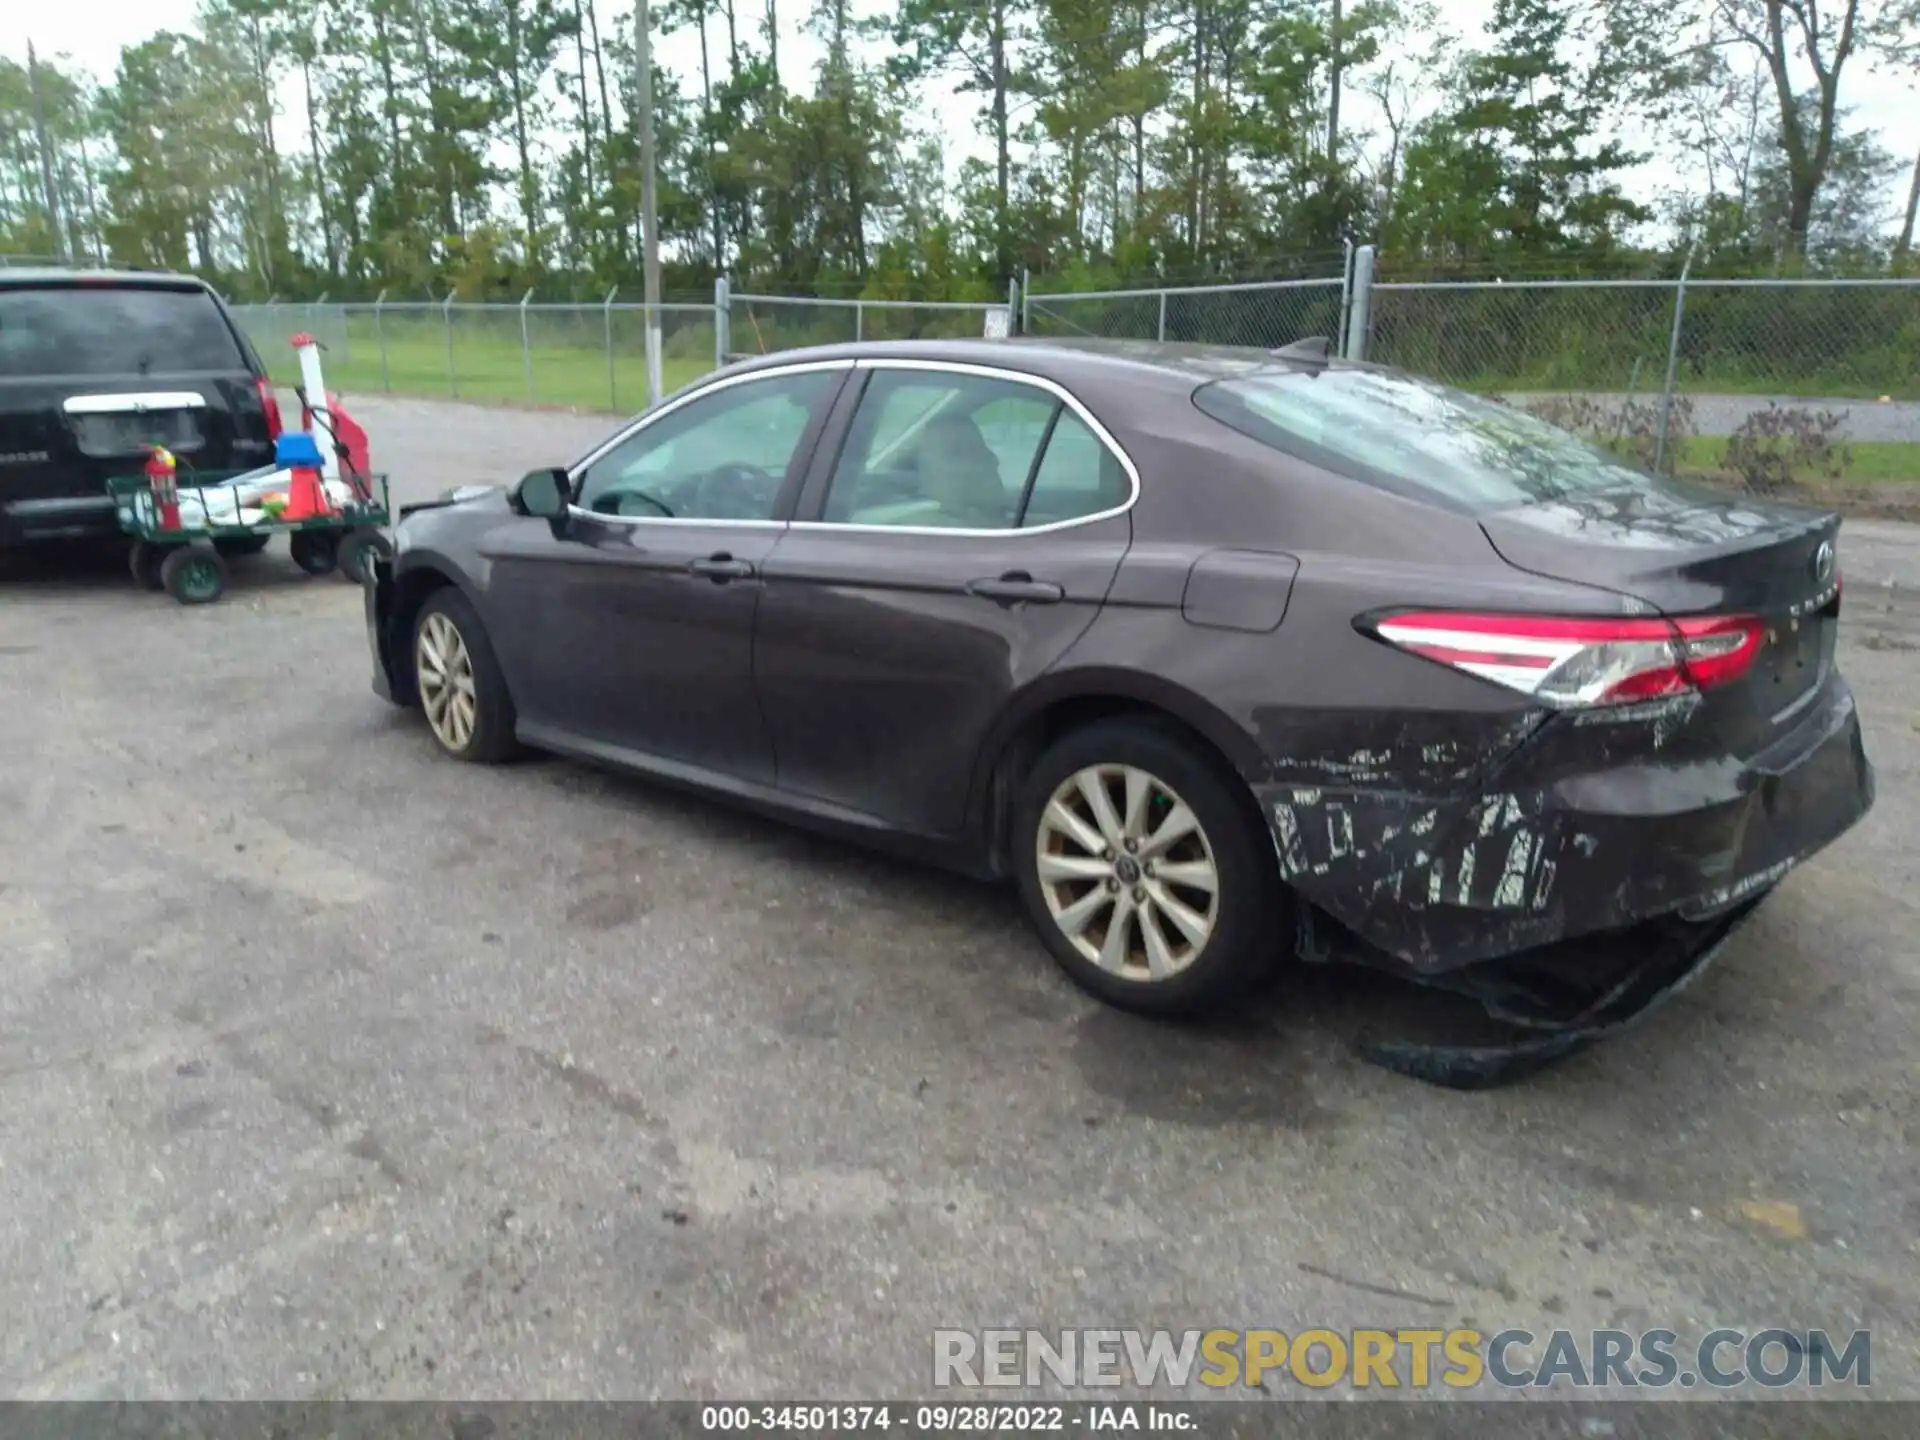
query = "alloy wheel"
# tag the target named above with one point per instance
(1127, 872)
(446, 681)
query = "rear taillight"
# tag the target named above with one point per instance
(1578, 662)
(270, 404)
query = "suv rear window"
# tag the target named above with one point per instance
(1415, 437)
(113, 330)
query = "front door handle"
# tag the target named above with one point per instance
(721, 568)
(1016, 586)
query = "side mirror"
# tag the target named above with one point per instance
(545, 494)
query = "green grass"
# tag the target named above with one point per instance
(485, 369)
(1872, 462)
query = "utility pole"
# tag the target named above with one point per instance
(47, 185)
(1334, 62)
(643, 58)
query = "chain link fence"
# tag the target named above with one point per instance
(1267, 315)
(583, 356)
(762, 324)
(1681, 374)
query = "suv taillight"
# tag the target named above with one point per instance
(270, 403)
(1574, 663)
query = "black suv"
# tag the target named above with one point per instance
(95, 366)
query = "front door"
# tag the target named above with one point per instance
(633, 633)
(968, 534)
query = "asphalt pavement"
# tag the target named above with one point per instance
(329, 1068)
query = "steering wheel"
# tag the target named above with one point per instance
(737, 492)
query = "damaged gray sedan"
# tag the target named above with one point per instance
(1215, 653)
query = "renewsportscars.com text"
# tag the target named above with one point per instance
(1511, 1359)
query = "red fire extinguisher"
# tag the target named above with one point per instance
(166, 493)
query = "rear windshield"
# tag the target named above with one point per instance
(1416, 437)
(112, 330)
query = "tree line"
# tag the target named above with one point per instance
(482, 147)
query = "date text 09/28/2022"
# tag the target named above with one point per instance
(973, 1419)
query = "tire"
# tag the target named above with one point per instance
(194, 574)
(145, 560)
(481, 730)
(238, 547)
(1152, 770)
(356, 551)
(314, 551)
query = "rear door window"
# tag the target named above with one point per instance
(50, 330)
(1416, 437)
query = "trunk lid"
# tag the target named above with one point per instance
(93, 372)
(1690, 551)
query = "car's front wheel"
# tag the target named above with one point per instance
(1146, 874)
(461, 687)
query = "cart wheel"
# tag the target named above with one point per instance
(234, 547)
(314, 551)
(357, 550)
(194, 575)
(145, 560)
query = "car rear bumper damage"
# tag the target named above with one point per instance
(1437, 884)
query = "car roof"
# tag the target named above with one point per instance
(1067, 360)
(54, 275)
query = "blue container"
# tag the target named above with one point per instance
(296, 447)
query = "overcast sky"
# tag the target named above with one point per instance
(91, 33)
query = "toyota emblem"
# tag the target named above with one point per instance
(1823, 563)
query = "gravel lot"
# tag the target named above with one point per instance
(331, 1069)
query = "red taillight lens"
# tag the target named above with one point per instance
(1578, 662)
(270, 403)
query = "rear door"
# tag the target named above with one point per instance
(93, 372)
(949, 549)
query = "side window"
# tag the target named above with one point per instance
(721, 457)
(931, 448)
(1078, 476)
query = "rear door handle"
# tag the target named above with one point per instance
(1016, 586)
(721, 568)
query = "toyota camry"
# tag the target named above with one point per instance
(1205, 650)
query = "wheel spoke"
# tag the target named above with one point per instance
(1160, 961)
(1093, 789)
(1189, 874)
(1139, 790)
(462, 719)
(437, 697)
(1071, 825)
(1195, 926)
(1074, 918)
(1056, 868)
(1119, 940)
(430, 652)
(1179, 823)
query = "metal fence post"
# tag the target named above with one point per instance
(859, 322)
(722, 321)
(1673, 365)
(526, 341)
(1346, 289)
(446, 315)
(1360, 308)
(1013, 302)
(1026, 303)
(613, 386)
(380, 338)
(1020, 311)
(1160, 329)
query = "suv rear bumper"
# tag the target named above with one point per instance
(1438, 885)
(79, 517)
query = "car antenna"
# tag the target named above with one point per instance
(1318, 349)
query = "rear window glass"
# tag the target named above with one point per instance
(1415, 436)
(103, 330)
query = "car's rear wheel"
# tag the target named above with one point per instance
(460, 684)
(1144, 871)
